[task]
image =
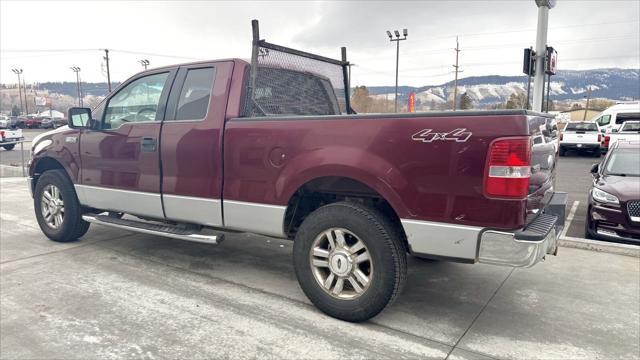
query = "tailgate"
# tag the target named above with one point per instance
(580, 137)
(543, 165)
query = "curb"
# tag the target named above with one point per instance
(600, 246)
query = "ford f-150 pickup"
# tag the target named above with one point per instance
(188, 151)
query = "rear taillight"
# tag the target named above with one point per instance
(606, 141)
(561, 136)
(599, 137)
(1, 134)
(508, 168)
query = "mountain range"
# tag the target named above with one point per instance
(614, 84)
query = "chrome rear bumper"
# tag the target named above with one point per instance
(528, 246)
(502, 248)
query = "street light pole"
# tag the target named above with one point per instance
(541, 51)
(145, 63)
(18, 72)
(405, 33)
(77, 71)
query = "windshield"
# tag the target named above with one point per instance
(623, 162)
(581, 127)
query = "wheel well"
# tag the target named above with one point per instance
(43, 165)
(327, 190)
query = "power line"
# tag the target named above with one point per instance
(519, 62)
(514, 45)
(155, 54)
(514, 31)
(45, 50)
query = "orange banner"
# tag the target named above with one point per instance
(412, 102)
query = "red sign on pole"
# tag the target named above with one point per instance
(412, 102)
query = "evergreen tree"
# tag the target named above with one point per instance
(465, 102)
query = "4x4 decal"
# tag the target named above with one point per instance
(457, 135)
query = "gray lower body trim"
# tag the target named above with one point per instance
(131, 202)
(195, 210)
(259, 218)
(441, 239)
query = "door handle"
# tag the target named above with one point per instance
(148, 144)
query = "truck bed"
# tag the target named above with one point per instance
(267, 159)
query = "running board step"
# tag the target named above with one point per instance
(170, 231)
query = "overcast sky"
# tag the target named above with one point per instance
(587, 34)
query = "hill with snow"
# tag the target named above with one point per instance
(614, 84)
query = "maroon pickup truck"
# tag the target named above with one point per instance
(188, 151)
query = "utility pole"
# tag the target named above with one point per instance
(586, 109)
(18, 72)
(76, 70)
(26, 100)
(541, 51)
(405, 33)
(455, 83)
(145, 63)
(106, 58)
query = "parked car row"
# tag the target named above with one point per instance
(620, 122)
(31, 122)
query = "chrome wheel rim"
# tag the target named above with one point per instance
(52, 206)
(341, 263)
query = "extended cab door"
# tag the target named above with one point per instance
(120, 154)
(191, 143)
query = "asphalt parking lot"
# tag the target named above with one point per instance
(121, 294)
(10, 161)
(574, 178)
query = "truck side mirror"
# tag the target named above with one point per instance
(79, 117)
(614, 130)
(603, 130)
(595, 168)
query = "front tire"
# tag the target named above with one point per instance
(57, 208)
(9, 147)
(350, 260)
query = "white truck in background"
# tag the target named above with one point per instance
(584, 136)
(616, 115)
(628, 131)
(9, 138)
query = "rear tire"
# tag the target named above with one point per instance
(345, 285)
(9, 147)
(57, 208)
(561, 152)
(597, 153)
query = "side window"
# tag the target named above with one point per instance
(604, 120)
(136, 102)
(195, 95)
